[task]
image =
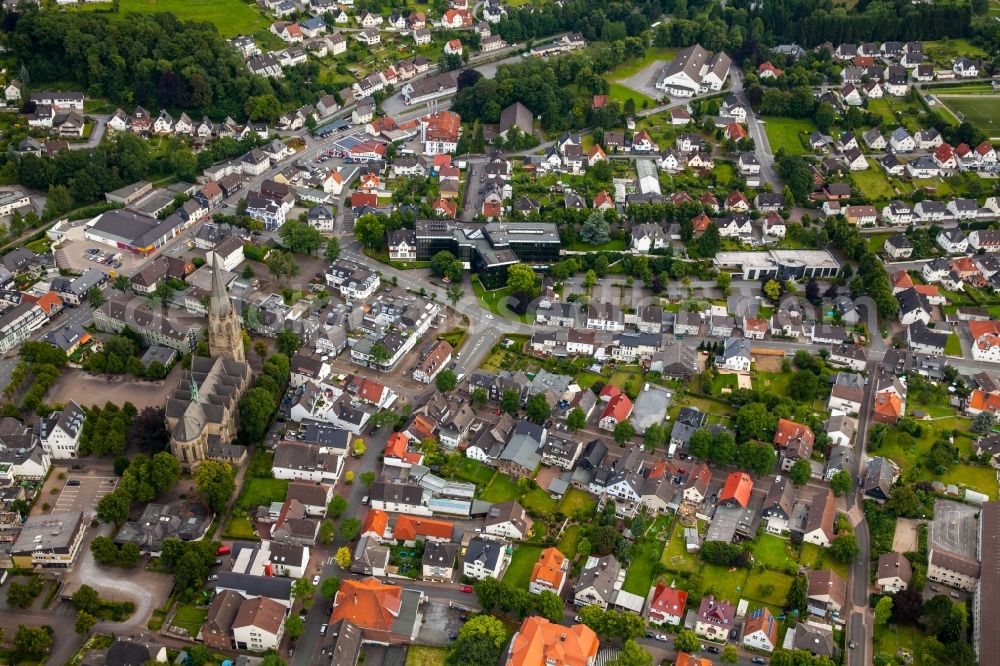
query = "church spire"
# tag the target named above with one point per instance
(220, 305)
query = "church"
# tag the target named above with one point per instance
(203, 410)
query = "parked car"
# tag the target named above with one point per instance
(713, 649)
(322, 630)
(758, 660)
(316, 579)
(466, 588)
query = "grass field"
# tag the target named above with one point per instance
(873, 183)
(675, 556)
(953, 347)
(620, 93)
(474, 471)
(495, 301)
(646, 554)
(240, 527)
(518, 572)
(231, 17)
(983, 111)
(262, 492)
(633, 67)
(788, 133)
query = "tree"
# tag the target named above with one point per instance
(446, 381)
(84, 623)
(294, 626)
(33, 640)
(343, 557)
(300, 237)
(590, 280)
(380, 354)
(95, 297)
(595, 230)
(687, 641)
(772, 289)
(724, 282)
(538, 408)
(510, 401)
(840, 482)
(755, 421)
(798, 594)
(803, 386)
(729, 655)
(454, 293)
(287, 343)
(367, 478)
(336, 506)
(905, 502)
(883, 610)
(215, 483)
(632, 654)
(480, 641)
(256, 409)
(983, 423)
(349, 529)
(104, 550)
(654, 437)
(358, 447)
(20, 595)
(549, 605)
(113, 507)
(303, 588)
(576, 419)
(329, 587)
(907, 606)
(370, 230)
(521, 279)
(844, 548)
(479, 396)
(800, 472)
(332, 252)
(281, 265)
(624, 431)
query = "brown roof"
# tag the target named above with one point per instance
(262, 612)
(368, 604)
(822, 511)
(953, 562)
(894, 564)
(222, 613)
(826, 582)
(309, 494)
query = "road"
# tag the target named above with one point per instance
(762, 147)
(96, 133)
(860, 621)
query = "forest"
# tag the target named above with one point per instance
(154, 61)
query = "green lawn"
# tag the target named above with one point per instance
(262, 492)
(500, 489)
(675, 556)
(773, 382)
(945, 51)
(474, 471)
(610, 246)
(815, 557)
(873, 183)
(880, 107)
(569, 540)
(425, 655)
(953, 347)
(575, 500)
(240, 527)
(724, 172)
(788, 133)
(891, 638)
(518, 572)
(645, 556)
(779, 585)
(983, 111)
(621, 93)
(586, 379)
(190, 618)
(772, 551)
(495, 301)
(231, 17)
(723, 583)
(539, 501)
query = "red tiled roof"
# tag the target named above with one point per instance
(789, 430)
(619, 408)
(738, 487)
(375, 522)
(371, 391)
(540, 642)
(408, 528)
(367, 603)
(668, 600)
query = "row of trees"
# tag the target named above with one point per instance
(260, 403)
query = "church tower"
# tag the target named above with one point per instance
(225, 339)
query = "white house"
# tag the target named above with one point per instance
(259, 624)
(59, 432)
(485, 558)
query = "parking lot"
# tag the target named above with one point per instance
(441, 622)
(82, 492)
(76, 253)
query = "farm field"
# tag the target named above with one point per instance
(983, 111)
(231, 17)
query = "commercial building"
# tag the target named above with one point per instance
(780, 264)
(51, 541)
(489, 250)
